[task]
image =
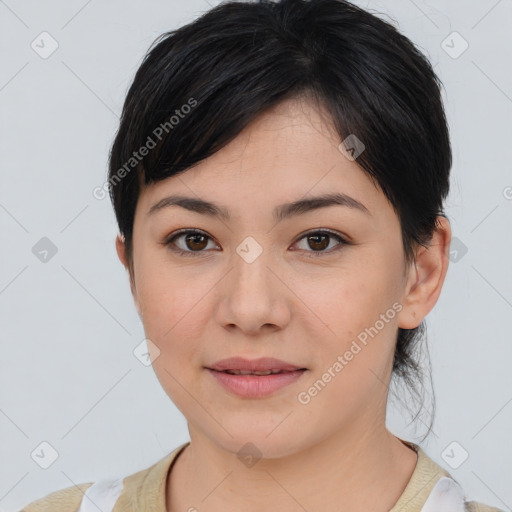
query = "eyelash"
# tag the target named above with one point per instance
(313, 254)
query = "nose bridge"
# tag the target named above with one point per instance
(253, 295)
(251, 265)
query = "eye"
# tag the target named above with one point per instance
(194, 241)
(319, 240)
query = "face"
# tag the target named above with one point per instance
(321, 288)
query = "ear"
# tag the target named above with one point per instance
(426, 277)
(123, 258)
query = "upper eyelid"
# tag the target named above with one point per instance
(186, 231)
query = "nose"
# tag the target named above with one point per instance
(254, 296)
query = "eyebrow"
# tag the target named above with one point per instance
(280, 212)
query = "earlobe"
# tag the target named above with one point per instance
(426, 277)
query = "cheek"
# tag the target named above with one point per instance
(355, 313)
(173, 316)
(168, 295)
(353, 371)
(345, 302)
(176, 307)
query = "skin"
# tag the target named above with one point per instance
(306, 310)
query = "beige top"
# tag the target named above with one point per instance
(145, 491)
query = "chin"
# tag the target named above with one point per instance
(251, 446)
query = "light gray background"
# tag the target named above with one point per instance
(68, 325)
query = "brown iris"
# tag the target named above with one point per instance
(198, 244)
(314, 239)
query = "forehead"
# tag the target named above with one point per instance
(289, 152)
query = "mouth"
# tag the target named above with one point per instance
(273, 371)
(263, 366)
(256, 384)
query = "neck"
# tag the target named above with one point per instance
(335, 474)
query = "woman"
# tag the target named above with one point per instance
(278, 179)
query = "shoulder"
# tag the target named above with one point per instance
(63, 500)
(143, 490)
(424, 486)
(475, 506)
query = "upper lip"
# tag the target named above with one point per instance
(256, 365)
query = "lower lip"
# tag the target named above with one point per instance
(256, 386)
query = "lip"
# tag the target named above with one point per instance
(255, 365)
(255, 386)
